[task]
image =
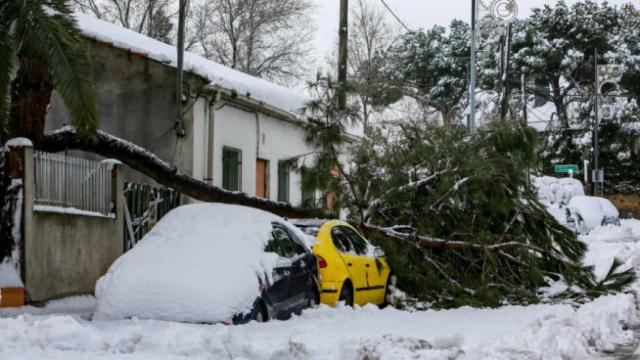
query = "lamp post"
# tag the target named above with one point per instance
(506, 10)
(604, 74)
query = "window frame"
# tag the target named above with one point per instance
(225, 179)
(284, 168)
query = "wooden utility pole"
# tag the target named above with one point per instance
(472, 69)
(504, 75)
(343, 49)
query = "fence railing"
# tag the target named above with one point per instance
(68, 182)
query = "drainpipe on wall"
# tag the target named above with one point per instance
(257, 135)
(210, 142)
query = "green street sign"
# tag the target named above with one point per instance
(565, 169)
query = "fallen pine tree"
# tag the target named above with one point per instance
(455, 212)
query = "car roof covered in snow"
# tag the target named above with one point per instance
(274, 95)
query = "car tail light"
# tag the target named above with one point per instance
(322, 263)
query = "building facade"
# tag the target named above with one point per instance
(240, 133)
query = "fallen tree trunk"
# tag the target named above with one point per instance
(161, 171)
(431, 243)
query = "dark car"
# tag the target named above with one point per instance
(293, 286)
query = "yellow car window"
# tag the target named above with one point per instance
(341, 240)
(359, 244)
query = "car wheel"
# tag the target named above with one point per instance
(314, 301)
(346, 294)
(259, 314)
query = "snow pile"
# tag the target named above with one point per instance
(510, 332)
(277, 96)
(200, 263)
(83, 305)
(606, 243)
(9, 277)
(593, 210)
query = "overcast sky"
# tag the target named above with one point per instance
(416, 14)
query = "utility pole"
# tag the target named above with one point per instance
(472, 70)
(596, 125)
(523, 81)
(343, 49)
(504, 75)
(180, 76)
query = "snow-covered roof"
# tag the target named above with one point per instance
(274, 95)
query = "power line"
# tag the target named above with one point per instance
(396, 16)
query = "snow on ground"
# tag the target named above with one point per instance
(511, 332)
(611, 241)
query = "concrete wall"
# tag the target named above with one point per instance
(65, 254)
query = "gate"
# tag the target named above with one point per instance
(144, 207)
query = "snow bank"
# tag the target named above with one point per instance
(277, 96)
(507, 333)
(83, 305)
(200, 263)
(9, 277)
(605, 243)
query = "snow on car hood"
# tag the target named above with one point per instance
(200, 263)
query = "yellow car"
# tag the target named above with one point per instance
(351, 269)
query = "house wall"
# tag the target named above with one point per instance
(137, 102)
(258, 136)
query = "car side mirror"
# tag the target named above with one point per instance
(378, 253)
(283, 263)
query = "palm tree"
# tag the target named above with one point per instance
(40, 39)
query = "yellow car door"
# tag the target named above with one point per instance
(377, 269)
(356, 264)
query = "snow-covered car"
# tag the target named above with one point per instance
(210, 263)
(558, 191)
(584, 213)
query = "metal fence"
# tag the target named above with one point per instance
(69, 182)
(144, 207)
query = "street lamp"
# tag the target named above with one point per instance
(505, 10)
(605, 74)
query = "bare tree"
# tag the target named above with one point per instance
(149, 17)
(369, 33)
(265, 38)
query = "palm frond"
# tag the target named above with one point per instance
(54, 39)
